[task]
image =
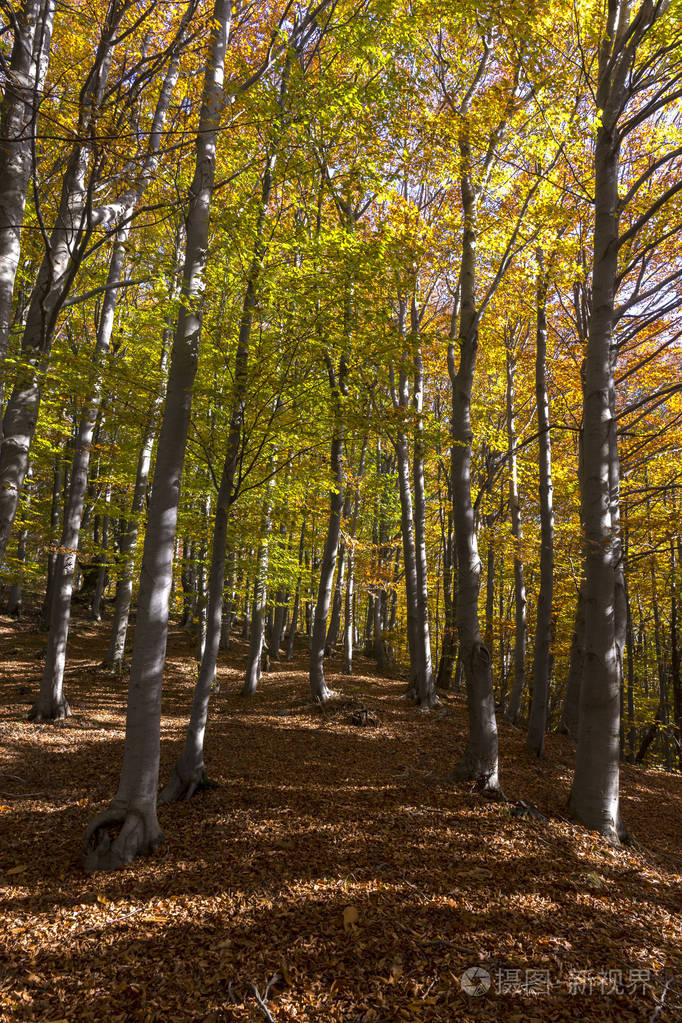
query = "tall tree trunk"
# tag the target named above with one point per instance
(675, 649)
(15, 599)
(571, 705)
(297, 596)
(518, 684)
(349, 608)
(446, 664)
(425, 687)
(630, 656)
(337, 604)
(537, 725)
(480, 759)
(18, 123)
(409, 561)
(229, 610)
(260, 595)
(594, 799)
(318, 686)
(189, 770)
(134, 807)
(51, 704)
(103, 572)
(55, 519)
(56, 274)
(128, 542)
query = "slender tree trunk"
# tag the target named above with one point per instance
(675, 651)
(50, 703)
(260, 596)
(480, 759)
(229, 610)
(128, 543)
(189, 770)
(349, 609)
(448, 655)
(571, 705)
(134, 807)
(103, 573)
(55, 519)
(15, 599)
(537, 725)
(410, 563)
(425, 686)
(520, 630)
(54, 280)
(337, 604)
(297, 596)
(318, 685)
(630, 656)
(18, 123)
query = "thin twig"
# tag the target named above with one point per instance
(261, 999)
(114, 920)
(657, 1011)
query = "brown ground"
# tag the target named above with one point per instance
(330, 855)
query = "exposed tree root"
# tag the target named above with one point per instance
(183, 784)
(115, 667)
(139, 834)
(55, 710)
(476, 769)
(324, 694)
(614, 832)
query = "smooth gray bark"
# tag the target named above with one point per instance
(425, 686)
(56, 274)
(18, 126)
(189, 771)
(337, 603)
(297, 596)
(571, 704)
(103, 572)
(537, 725)
(480, 758)
(594, 799)
(55, 520)
(349, 609)
(128, 542)
(133, 809)
(50, 704)
(520, 627)
(318, 686)
(254, 662)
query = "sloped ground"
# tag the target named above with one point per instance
(330, 857)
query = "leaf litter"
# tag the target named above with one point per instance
(331, 875)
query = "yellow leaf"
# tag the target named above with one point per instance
(17, 870)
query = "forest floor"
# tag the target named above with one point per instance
(331, 863)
